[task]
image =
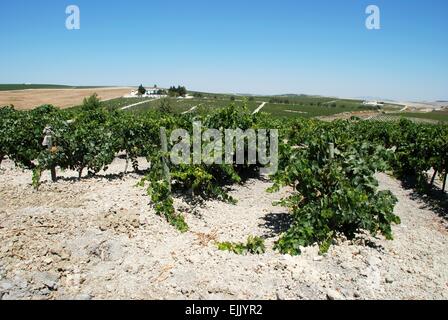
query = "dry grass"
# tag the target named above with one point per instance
(63, 98)
(205, 238)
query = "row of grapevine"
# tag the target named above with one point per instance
(88, 139)
(418, 147)
(335, 190)
(201, 181)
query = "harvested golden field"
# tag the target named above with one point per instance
(63, 98)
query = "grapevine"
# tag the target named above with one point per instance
(334, 193)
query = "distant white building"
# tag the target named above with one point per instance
(153, 92)
(188, 97)
(373, 103)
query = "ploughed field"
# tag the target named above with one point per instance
(61, 97)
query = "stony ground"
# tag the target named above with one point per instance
(98, 238)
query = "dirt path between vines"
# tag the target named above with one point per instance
(138, 103)
(259, 108)
(99, 238)
(190, 110)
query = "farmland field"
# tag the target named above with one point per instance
(435, 115)
(123, 102)
(291, 106)
(310, 111)
(12, 87)
(62, 98)
(184, 105)
(300, 106)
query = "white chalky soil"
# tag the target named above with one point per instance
(99, 238)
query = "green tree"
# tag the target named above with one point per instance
(180, 91)
(172, 92)
(141, 90)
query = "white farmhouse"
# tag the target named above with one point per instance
(153, 92)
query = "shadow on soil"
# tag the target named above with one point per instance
(199, 199)
(276, 223)
(107, 176)
(432, 198)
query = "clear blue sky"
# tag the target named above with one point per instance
(246, 46)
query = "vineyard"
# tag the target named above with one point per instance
(184, 106)
(308, 107)
(335, 191)
(210, 153)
